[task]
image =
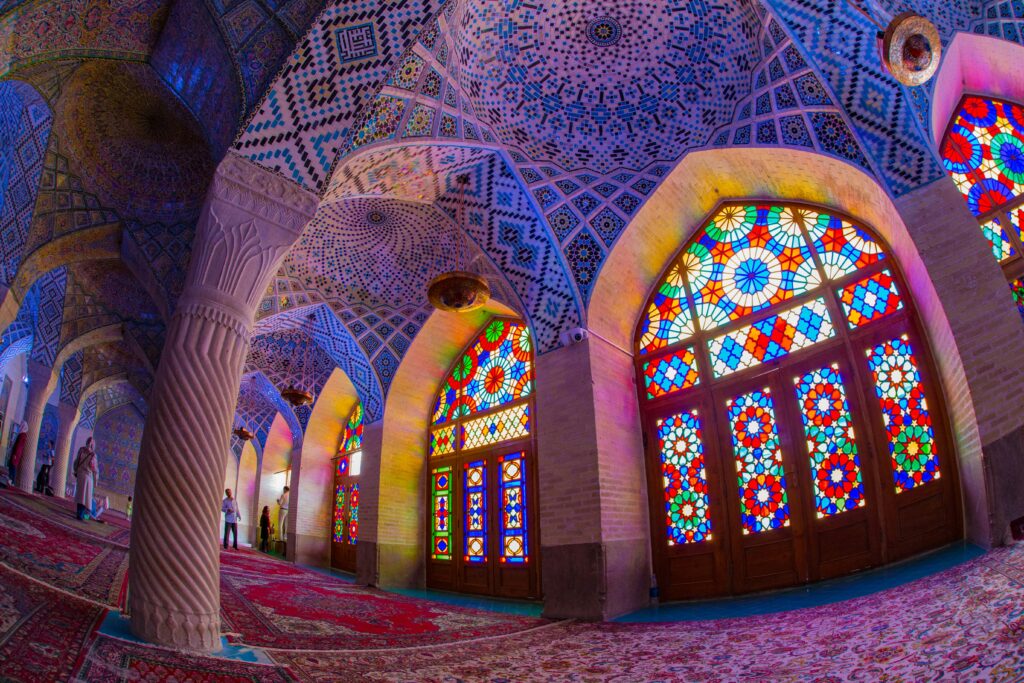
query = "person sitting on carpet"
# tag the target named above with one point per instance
(14, 456)
(230, 509)
(265, 530)
(45, 463)
(86, 471)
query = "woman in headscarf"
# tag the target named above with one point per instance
(14, 457)
(86, 472)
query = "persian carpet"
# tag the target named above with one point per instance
(259, 563)
(111, 660)
(62, 511)
(85, 566)
(963, 624)
(41, 631)
(307, 610)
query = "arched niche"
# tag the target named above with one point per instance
(275, 468)
(313, 471)
(392, 509)
(704, 179)
(248, 468)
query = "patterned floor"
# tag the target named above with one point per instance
(965, 623)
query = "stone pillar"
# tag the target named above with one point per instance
(978, 361)
(595, 539)
(381, 558)
(39, 390)
(68, 416)
(250, 220)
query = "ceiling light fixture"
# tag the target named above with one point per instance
(459, 290)
(910, 46)
(299, 394)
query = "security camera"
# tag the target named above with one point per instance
(575, 335)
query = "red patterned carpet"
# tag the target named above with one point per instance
(41, 630)
(963, 624)
(110, 660)
(274, 605)
(32, 543)
(115, 528)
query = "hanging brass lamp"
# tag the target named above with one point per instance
(298, 394)
(458, 290)
(910, 47)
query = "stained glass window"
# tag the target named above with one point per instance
(496, 369)
(353, 514)
(504, 425)
(984, 152)
(1017, 290)
(764, 504)
(442, 440)
(440, 535)
(905, 413)
(671, 373)
(668, 318)
(681, 444)
(474, 489)
(352, 439)
(514, 546)
(338, 535)
(342, 466)
(867, 300)
(771, 338)
(828, 428)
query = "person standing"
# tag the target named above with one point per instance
(230, 509)
(86, 471)
(45, 463)
(282, 516)
(265, 529)
(128, 508)
(14, 455)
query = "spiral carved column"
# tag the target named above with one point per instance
(39, 389)
(250, 221)
(68, 419)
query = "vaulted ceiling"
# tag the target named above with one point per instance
(564, 116)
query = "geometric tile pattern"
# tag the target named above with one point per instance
(24, 129)
(260, 403)
(841, 42)
(542, 94)
(49, 316)
(118, 436)
(671, 373)
(869, 299)
(310, 111)
(788, 105)
(71, 379)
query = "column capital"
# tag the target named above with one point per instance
(250, 221)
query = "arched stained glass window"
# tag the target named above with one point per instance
(983, 151)
(347, 465)
(481, 468)
(785, 385)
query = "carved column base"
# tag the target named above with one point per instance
(163, 624)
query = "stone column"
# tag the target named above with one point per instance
(68, 416)
(594, 531)
(251, 219)
(39, 390)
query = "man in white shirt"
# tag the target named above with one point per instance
(282, 516)
(230, 509)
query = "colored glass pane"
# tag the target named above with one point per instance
(984, 152)
(342, 467)
(869, 299)
(338, 533)
(353, 436)
(1002, 248)
(514, 541)
(353, 514)
(440, 504)
(681, 444)
(496, 369)
(771, 338)
(842, 247)
(668, 318)
(356, 463)
(764, 503)
(474, 491)
(511, 423)
(747, 259)
(908, 424)
(835, 465)
(442, 440)
(1017, 290)
(671, 373)
(1017, 223)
